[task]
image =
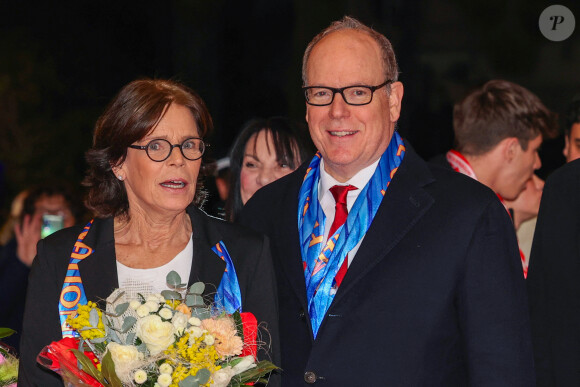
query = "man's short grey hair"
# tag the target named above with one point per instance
(388, 55)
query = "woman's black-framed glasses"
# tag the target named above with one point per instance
(160, 149)
(353, 95)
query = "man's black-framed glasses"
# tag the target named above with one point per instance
(352, 95)
(160, 149)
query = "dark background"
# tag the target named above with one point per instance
(61, 63)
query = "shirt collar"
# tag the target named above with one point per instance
(359, 180)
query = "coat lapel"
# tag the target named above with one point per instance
(99, 270)
(289, 239)
(404, 204)
(207, 267)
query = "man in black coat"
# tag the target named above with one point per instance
(421, 285)
(553, 280)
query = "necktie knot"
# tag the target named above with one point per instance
(339, 193)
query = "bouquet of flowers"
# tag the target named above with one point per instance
(168, 339)
(8, 363)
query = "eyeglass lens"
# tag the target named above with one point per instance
(355, 95)
(191, 149)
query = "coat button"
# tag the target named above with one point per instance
(301, 314)
(310, 377)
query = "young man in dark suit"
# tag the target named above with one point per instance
(390, 272)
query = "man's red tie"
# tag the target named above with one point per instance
(339, 192)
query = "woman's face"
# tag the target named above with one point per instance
(165, 187)
(260, 165)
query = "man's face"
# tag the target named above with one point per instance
(520, 168)
(350, 138)
(572, 147)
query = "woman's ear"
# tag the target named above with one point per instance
(118, 171)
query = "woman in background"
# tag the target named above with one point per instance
(143, 177)
(264, 151)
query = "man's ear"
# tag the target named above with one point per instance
(566, 149)
(395, 99)
(510, 148)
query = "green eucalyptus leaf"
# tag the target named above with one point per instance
(201, 377)
(173, 279)
(171, 295)
(192, 300)
(98, 340)
(197, 288)
(94, 318)
(130, 338)
(121, 308)
(114, 337)
(142, 348)
(128, 323)
(5, 332)
(200, 313)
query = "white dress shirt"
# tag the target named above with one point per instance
(327, 200)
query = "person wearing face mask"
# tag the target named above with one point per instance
(264, 151)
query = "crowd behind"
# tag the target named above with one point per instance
(152, 192)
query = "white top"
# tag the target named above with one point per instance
(148, 281)
(327, 200)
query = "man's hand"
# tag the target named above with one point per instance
(27, 236)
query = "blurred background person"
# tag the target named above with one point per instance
(524, 212)
(7, 230)
(499, 128)
(49, 206)
(144, 169)
(217, 185)
(572, 130)
(264, 151)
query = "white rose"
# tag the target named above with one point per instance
(194, 321)
(179, 321)
(134, 304)
(140, 377)
(246, 363)
(165, 313)
(153, 297)
(209, 339)
(222, 377)
(164, 380)
(142, 310)
(166, 368)
(155, 333)
(125, 357)
(152, 305)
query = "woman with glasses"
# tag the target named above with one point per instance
(143, 183)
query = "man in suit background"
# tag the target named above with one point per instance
(390, 271)
(572, 130)
(498, 129)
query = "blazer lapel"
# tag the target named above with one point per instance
(207, 267)
(404, 204)
(290, 257)
(99, 270)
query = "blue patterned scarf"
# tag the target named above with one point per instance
(321, 262)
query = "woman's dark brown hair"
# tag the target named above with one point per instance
(129, 117)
